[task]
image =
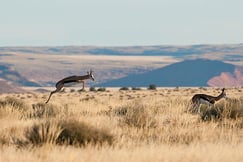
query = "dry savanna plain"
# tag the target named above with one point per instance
(120, 126)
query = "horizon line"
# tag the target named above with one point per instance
(107, 46)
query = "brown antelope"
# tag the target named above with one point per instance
(71, 79)
(199, 99)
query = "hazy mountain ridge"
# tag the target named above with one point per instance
(7, 87)
(197, 72)
(9, 74)
(35, 66)
(231, 50)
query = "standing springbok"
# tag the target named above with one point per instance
(72, 79)
(199, 99)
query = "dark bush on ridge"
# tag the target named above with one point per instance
(124, 89)
(101, 89)
(92, 89)
(152, 87)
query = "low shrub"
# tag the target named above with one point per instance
(210, 114)
(15, 103)
(121, 111)
(41, 110)
(66, 132)
(137, 115)
(102, 89)
(92, 89)
(43, 133)
(79, 133)
(13, 107)
(228, 109)
(231, 108)
(124, 89)
(81, 90)
(72, 90)
(152, 87)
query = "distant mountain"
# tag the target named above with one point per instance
(9, 74)
(7, 87)
(186, 73)
(228, 79)
(229, 52)
(139, 65)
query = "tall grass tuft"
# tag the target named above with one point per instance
(137, 115)
(15, 103)
(43, 133)
(66, 132)
(11, 106)
(79, 134)
(228, 109)
(232, 108)
(41, 110)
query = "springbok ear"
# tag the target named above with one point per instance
(90, 71)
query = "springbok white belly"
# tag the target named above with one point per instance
(203, 101)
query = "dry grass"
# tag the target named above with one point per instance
(115, 125)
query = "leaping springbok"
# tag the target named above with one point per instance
(72, 79)
(199, 99)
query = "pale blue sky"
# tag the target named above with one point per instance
(120, 22)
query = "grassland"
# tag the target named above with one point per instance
(120, 126)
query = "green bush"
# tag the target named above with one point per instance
(152, 87)
(92, 89)
(124, 88)
(102, 89)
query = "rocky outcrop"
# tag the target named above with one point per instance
(227, 79)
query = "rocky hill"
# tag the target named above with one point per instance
(199, 72)
(230, 79)
(8, 73)
(7, 87)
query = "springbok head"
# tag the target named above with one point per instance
(90, 73)
(223, 94)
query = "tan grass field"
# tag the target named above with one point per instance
(119, 126)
